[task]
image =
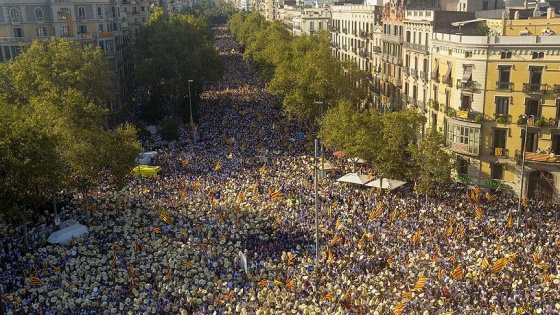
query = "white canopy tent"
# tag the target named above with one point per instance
(354, 178)
(65, 235)
(386, 183)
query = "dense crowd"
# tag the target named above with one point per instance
(229, 228)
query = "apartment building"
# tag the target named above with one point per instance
(107, 24)
(490, 94)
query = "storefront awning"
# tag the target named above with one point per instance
(467, 74)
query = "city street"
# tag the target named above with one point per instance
(229, 228)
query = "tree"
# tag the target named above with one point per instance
(169, 53)
(433, 164)
(55, 108)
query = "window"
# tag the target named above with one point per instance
(63, 30)
(535, 76)
(101, 28)
(504, 78)
(505, 55)
(38, 14)
(41, 31)
(14, 15)
(468, 54)
(466, 100)
(142, 9)
(463, 138)
(538, 55)
(499, 141)
(447, 98)
(532, 107)
(99, 12)
(462, 165)
(532, 141)
(497, 171)
(502, 106)
(82, 29)
(467, 74)
(18, 32)
(82, 13)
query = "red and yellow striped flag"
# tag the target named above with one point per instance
(393, 215)
(335, 240)
(185, 162)
(509, 221)
(390, 261)
(548, 277)
(218, 166)
(276, 194)
(484, 264)
(56, 269)
(338, 224)
(489, 197)
(524, 201)
(262, 170)
(291, 258)
(186, 264)
(330, 256)
(543, 266)
(536, 257)
(117, 248)
(328, 296)
(457, 272)
(277, 222)
(155, 229)
(278, 282)
(5, 298)
(347, 295)
(421, 283)
(16, 301)
(416, 236)
(34, 281)
(362, 240)
(512, 257)
(406, 294)
(449, 231)
(399, 308)
(479, 213)
(263, 283)
(290, 283)
(240, 196)
(499, 265)
(377, 213)
(165, 217)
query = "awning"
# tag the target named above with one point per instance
(467, 74)
(462, 23)
(445, 78)
(435, 69)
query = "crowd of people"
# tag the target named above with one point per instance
(229, 228)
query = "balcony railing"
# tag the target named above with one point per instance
(504, 86)
(365, 34)
(501, 152)
(465, 86)
(376, 49)
(392, 38)
(502, 119)
(531, 88)
(537, 157)
(406, 71)
(423, 75)
(417, 47)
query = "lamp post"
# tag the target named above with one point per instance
(322, 147)
(316, 210)
(524, 149)
(190, 106)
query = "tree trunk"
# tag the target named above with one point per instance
(54, 205)
(86, 204)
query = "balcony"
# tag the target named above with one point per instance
(392, 38)
(417, 47)
(365, 34)
(406, 71)
(414, 73)
(423, 75)
(537, 157)
(466, 86)
(502, 119)
(376, 49)
(531, 88)
(501, 152)
(504, 86)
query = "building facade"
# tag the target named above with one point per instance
(107, 24)
(496, 99)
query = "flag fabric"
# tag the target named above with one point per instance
(185, 162)
(34, 281)
(276, 194)
(457, 272)
(277, 222)
(290, 283)
(479, 213)
(328, 296)
(499, 265)
(416, 236)
(262, 170)
(117, 248)
(165, 217)
(548, 277)
(376, 213)
(484, 264)
(155, 229)
(543, 266)
(278, 282)
(347, 295)
(393, 215)
(406, 294)
(536, 257)
(421, 283)
(524, 200)
(399, 308)
(489, 197)
(330, 256)
(512, 257)
(509, 221)
(362, 240)
(5, 298)
(56, 269)
(240, 196)
(263, 283)
(338, 224)
(218, 166)
(390, 261)
(186, 264)
(449, 231)
(291, 258)
(335, 240)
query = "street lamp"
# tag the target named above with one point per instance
(316, 209)
(524, 149)
(190, 106)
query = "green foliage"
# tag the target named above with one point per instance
(217, 12)
(52, 116)
(170, 52)
(483, 30)
(169, 129)
(433, 164)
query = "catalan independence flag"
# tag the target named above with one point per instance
(276, 194)
(328, 296)
(499, 265)
(457, 272)
(34, 281)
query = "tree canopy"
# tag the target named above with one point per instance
(53, 113)
(170, 52)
